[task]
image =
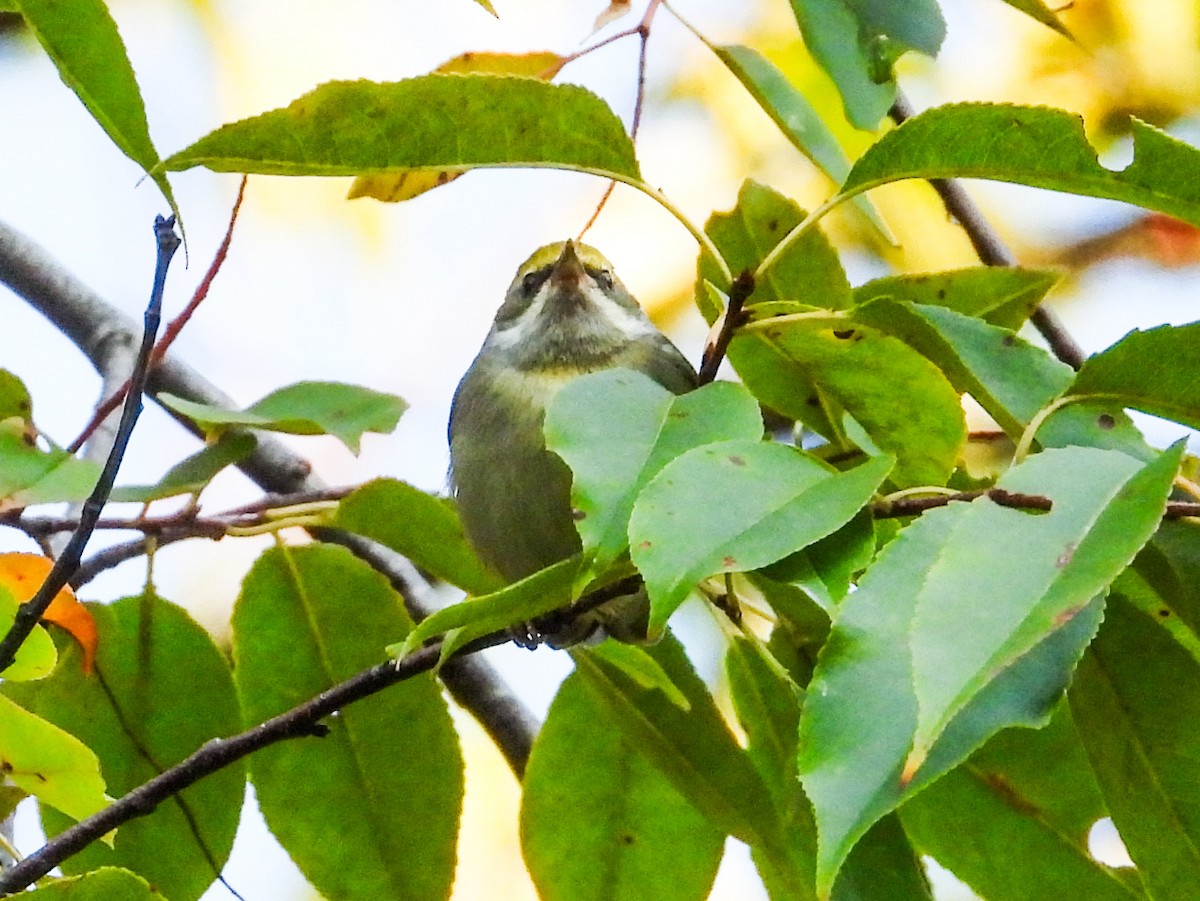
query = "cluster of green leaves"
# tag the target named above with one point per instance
(882, 718)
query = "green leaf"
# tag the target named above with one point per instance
(43, 760)
(1039, 11)
(523, 601)
(450, 122)
(358, 823)
(617, 429)
(912, 679)
(10, 797)
(421, 527)
(1106, 506)
(824, 571)
(82, 40)
(1136, 699)
(192, 475)
(641, 668)
(900, 399)
(1095, 423)
(883, 866)
(29, 475)
(767, 701)
(1011, 379)
(734, 507)
(856, 42)
(1154, 586)
(1037, 146)
(166, 690)
(1170, 566)
(808, 269)
(1027, 795)
(1001, 295)
(795, 116)
(598, 821)
(105, 884)
(305, 408)
(1155, 371)
(36, 657)
(693, 749)
(14, 398)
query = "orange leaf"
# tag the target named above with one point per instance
(23, 575)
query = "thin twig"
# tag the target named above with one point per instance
(1181, 509)
(992, 251)
(31, 611)
(301, 721)
(726, 324)
(186, 520)
(642, 30)
(912, 506)
(174, 327)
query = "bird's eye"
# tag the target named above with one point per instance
(531, 282)
(602, 277)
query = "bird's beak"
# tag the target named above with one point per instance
(568, 268)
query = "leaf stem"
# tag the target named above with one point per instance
(1027, 436)
(806, 225)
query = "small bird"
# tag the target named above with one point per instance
(566, 314)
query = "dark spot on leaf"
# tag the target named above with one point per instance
(24, 405)
(941, 294)
(1164, 613)
(844, 334)
(1065, 557)
(627, 839)
(1002, 787)
(5, 766)
(736, 460)
(728, 562)
(577, 514)
(1106, 421)
(1008, 341)
(443, 177)
(813, 401)
(772, 225)
(678, 414)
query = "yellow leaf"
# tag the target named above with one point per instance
(400, 186)
(615, 10)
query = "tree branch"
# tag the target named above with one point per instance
(301, 721)
(87, 320)
(992, 251)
